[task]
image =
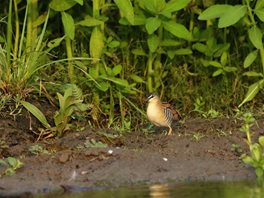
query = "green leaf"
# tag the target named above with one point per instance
(223, 59)
(152, 24)
(136, 78)
(170, 43)
(154, 6)
(2, 162)
(68, 24)
(215, 64)
(96, 43)
(175, 5)
(200, 47)
(14, 163)
(230, 69)
(252, 91)
(214, 11)
(139, 52)
(37, 113)
(55, 43)
(79, 2)
(252, 74)
(126, 9)
(259, 4)
(104, 86)
(116, 70)
(232, 16)
(90, 22)
(183, 51)
(177, 30)
(261, 141)
(247, 160)
(153, 42)
(259, 172)
(255, 36)
(260, 13)
(256, 152)
(61, 5)
(218, 72)
(251, 57)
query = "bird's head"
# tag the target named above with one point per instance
(153, 98)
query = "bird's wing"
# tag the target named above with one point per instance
(175, 113)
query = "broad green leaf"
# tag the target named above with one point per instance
(116, 70)
(247, 160)
(252, 74)
(79, 2)
(218, 72)
(260, 13)
(61, 5)
(251, 57)
(126, 9)
(89, 22)
(113, 44)
(259, 4)
(252, 91)
(170, 43)
(154, 6)
(230, 69)
(214, 11)
(223, 59)
(256, 151)
(200, 47)
(177, 30)
(153, 42)
(139, 52)
(232, 16)
(259, 172)
(138, 20)
(96, 43)
(255, 36)
(37, 113)
(261, 141)
(215, 64)
(13, 162)
(68, 24)
(175, 5)
(183, 51)
(136, 78)
(152, 24)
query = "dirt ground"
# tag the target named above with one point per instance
(200, 149)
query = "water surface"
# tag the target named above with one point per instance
(186, 190)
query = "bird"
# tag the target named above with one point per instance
(161, 113)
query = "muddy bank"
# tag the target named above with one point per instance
(200, 150)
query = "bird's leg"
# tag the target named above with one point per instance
(170, 131)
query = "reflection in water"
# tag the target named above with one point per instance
(186, 190)
(159, 191)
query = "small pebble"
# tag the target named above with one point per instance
(110, 151)
(84, 172)
(165, 159)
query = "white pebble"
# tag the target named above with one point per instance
(165, 159)
(110, 151)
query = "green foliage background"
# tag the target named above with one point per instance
(198, 54)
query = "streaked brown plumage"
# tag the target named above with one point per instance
(161, 113)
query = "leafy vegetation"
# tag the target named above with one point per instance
(206, 57)
(256, 156)
(12, 164)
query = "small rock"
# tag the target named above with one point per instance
(64, 157)
(165, 159)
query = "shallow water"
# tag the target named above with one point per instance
(186, 190)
